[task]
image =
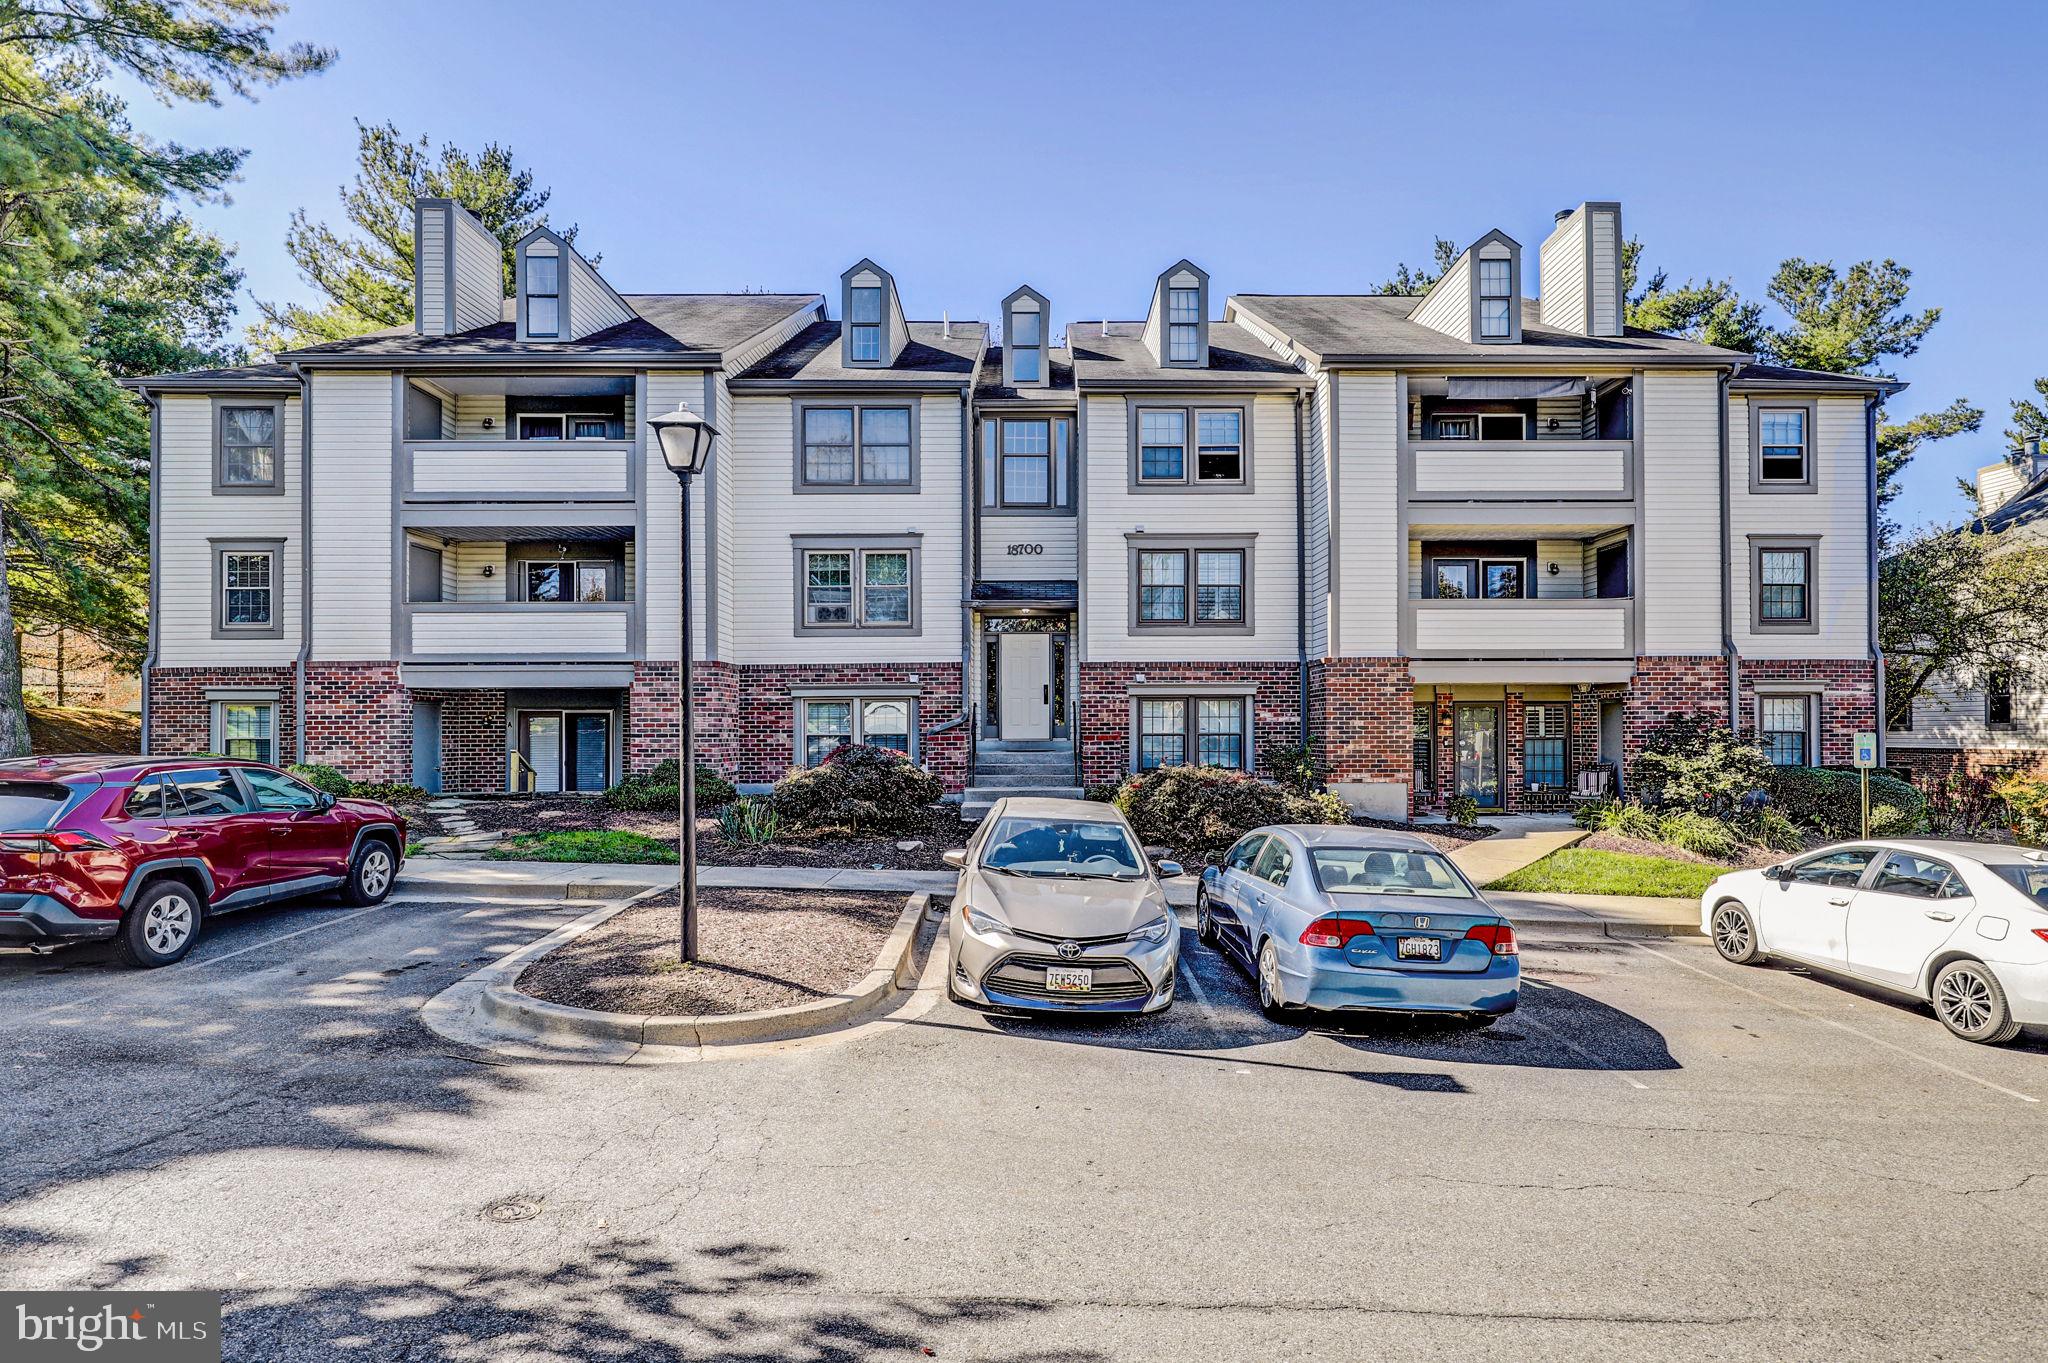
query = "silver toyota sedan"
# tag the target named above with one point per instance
(1058, 911)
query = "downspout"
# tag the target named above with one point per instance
(155, 482)
(305, 564)
(1870, 531)
(1301, 563)
(1727, 564)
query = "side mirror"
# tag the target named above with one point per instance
(327, 799)
(1169, 869)
(1774, 873)
(955, 857)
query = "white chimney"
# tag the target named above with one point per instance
(1581, 271)
(458, 270)
(1999, 483)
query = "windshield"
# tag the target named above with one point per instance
(1361, 870)
(31, 806)
(2028, 880)
(1062, 847)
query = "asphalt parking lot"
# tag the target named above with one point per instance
(1659, 1156)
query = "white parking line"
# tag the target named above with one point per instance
(1843, 1026)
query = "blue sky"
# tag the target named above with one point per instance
(1305, 147)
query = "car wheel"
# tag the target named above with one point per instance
(1272, 1001)
(1970, 1003)
(162, 925)
(372, 873)
(1735, 934)
(1205, 927)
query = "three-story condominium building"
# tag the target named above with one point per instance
(1474, 543)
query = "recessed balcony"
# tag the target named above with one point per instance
(565, 438)
(1520, 438)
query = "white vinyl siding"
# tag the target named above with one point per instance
(352, 422)
(1606, 307)
(479, 277)
(1448, 308)
(1052, 559)
(1367, 536)
(1680, 564)
(432, 267)
(1836, 512)
(1951, 715)
(191, 516)
(592, 307)
(770, 512)
(1266, 512)
(663, 547)
(1562, 260)
(1570, 580)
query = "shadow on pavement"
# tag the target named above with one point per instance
(1554, 1028)
(622, 1299)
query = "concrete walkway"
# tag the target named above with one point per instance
(1521, 839)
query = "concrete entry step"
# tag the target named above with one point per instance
(1025, 745)
(978, 800)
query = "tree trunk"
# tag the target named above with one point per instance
(13, 718)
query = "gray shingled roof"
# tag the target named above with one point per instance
(1237, 359)
(989, 385)
(1766, 377)
(1052, 593)
(667, 324)
(2028, 506)
(234, 376)
(1374, 328)
(813, 355)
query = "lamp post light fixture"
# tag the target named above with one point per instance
(685, 441)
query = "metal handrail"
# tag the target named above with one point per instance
(1074, 734)
(973, 738)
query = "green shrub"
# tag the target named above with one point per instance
(1690, 762)
(1625, 818)
(1295, 767)
(659, 789)
(1829, 802)
(1701, 834)
(1102, 792)
(1201, 811)
(2026, 805)
(1462, 809)
(1770, 828)
(335, 782)
(862, 789)
(749, 821)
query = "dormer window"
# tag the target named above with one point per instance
(543, 295)
(1496, 290)
(1027, 338)
(1183, 325)
(864, 317)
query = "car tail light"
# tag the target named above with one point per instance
(2041, 933)
(1334, 932)
(1499, 937)
(64, 840)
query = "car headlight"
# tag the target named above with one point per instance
(1154, 931)
(983, 922)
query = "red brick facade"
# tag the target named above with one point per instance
(359, 718)
(762, 743)
(1848, 704)
(1368, 725)
(1105, 737)
(654, 719)
(181, 717)
(473, 740)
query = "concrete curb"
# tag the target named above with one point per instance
(1553, 930)
(895, 970)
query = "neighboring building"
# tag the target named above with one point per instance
(1467, 543)
(1986, 725)
(63, 667)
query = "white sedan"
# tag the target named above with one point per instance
(1960, 925)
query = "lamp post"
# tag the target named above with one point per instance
(685, 444)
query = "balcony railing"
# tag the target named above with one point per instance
(518, 470)
(1565, 627)
(1518, 470)
(521, 631)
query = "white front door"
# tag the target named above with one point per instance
(1026, 685)
(544, 751)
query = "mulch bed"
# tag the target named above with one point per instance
(757, 949)
(544, 813)
(1445, 837)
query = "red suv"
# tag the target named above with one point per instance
(140, 849)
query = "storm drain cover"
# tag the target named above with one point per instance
(507, 1210)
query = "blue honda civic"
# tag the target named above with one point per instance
(1345, 919)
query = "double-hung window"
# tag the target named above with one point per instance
(856, 588)
(1183, 325)
(855, 447)
(877, 721)
(543, 295)
(245, 454)
(1543, 746)
(1998, 700)
(1027, 462)
(1207, 731)
(245, 729)
(1191, 586)
(1784, 586)
(1027, 346)
(1783, 436)
(864, 318)
(1785, 726)
(245, 589)
(1496, 283)
(1217, 457)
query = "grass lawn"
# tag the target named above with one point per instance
(1578, 871)
(586, 844)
